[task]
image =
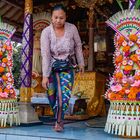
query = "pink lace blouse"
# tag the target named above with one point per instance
(60, 48)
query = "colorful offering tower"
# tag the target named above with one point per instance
(9, 113)
(124, 87)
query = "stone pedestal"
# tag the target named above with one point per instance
(27, 114)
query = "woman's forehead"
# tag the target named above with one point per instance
(58, 12)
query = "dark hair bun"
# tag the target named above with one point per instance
(59, 7)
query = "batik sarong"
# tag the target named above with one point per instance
(59, 92)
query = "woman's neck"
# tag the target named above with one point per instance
(59, 28)
(59, 32)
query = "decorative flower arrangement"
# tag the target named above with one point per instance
(125, 82)
(6, 78)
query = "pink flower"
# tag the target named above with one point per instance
(131, 79)
(127, 91)
(3, 65)
(138, 41)
(8, 86)
(124, 80)
(130, 43)
(138, 51)
(124, 43)
(117, 53)
(4, 95)
(8, 74)
(9, 79)
(3, 49)
(11, 91)
(136, 83)
(130, 62)
(124, 62)
(116, 88)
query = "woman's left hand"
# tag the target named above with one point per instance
(81, 69)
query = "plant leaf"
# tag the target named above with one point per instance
(120, 4)
(137, 4)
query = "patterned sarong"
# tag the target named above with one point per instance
(59, 92)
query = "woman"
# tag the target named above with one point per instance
(59, 41)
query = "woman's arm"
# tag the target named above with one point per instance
(78, 48)
(45, 53)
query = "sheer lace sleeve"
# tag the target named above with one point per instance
(45, 53)
(78, 47)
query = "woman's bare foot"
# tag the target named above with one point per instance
(58, 127)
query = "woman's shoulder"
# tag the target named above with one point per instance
(70, 25)
(47, 29)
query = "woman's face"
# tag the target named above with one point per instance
(58, 18)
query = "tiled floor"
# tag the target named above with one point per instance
(73, 131)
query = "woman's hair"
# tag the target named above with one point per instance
(59, 7)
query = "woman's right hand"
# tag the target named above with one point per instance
(45, 82)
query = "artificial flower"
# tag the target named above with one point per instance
(8, 74)
(134, 57)
(3, 49)
(9, 86)
(138, 51)
(4, 60)
(11, 91)
(130, 79)
(127, 91)
(130, 43)
(9, 48)
(4, 94)
(9, 79)
(126, 85)
(130, 62)
(120, 40)
(126, 49)
(6, 90)
(138, 57)
(119, 59)
(116, 88)
(4, 46)
(112, 96)
(132, 96)
(4, 77)
(0, 89)
(119, 75)
(138, 41)
(122, 92)
(124, 43)
(117, 53)
(126, 54)
(3, 65)
(1, 69)
(126, 72)
(124, 80)
(136, 83)
(1, 53)
(124, 62)
(128, 68)
(137, 77)
(133, 37)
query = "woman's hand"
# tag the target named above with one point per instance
(45, 82)
(81, 69)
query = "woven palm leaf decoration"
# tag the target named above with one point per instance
(41, 20)
(124, 86)
(9, 113)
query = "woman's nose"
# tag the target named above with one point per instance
(58, 20)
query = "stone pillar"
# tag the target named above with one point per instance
(27, 113)
(91, 61)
